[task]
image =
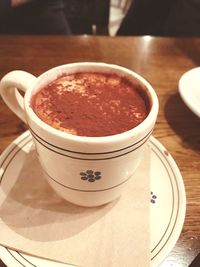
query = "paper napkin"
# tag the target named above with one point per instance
(34, 220)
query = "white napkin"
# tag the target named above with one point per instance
(34, 220)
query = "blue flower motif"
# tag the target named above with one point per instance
(90, 175)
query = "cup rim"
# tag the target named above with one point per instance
(142, 127)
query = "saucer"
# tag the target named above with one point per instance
(189, 89)
(167, 200)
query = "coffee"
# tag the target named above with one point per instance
(91, 104)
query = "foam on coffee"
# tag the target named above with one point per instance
(91, 104)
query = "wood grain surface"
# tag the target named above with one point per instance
(161, 61)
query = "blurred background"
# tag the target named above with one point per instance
(102, 17)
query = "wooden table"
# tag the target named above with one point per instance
(161, 61)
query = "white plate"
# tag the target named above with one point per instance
(167, 199)
(189, 89)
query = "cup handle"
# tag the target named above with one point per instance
(10, 85)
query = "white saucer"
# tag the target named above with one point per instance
(167, 197)
(189, 89)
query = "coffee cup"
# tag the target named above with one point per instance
(85, 170)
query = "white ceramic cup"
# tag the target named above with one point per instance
(69, 161)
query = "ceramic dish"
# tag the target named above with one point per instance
(167, 200)
(189, 89)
